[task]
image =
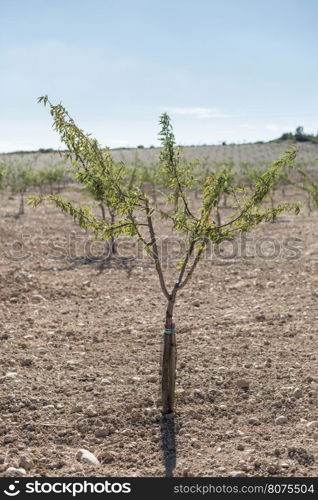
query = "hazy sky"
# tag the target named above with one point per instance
(230, 70)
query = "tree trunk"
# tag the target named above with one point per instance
(103, 211)
(21, 208)
(169, 360)
(309, 206)
(113, 246)
(274, 218)
(218, 217)
(154, 194)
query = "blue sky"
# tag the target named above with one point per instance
(236, 70)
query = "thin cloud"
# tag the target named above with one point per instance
(201, 113)
(273, 127)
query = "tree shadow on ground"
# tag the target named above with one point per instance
(101, 265)
(168, 443)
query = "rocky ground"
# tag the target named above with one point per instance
(81, 342)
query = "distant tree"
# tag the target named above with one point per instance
(19, 179)
(299, 132)
(51, 178)
(2, 175)
(287, 136)
(309, 184)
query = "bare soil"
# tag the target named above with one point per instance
(81, 341)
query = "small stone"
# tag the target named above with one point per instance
(242, 383)
(223, 407)
(281, 420)
(297, 393)
(240, 447)
(272, 469)
(26, 463)
(14, 300)
(312, 425)
(238, 473)
(195, 443)
(105, 381)
(90, 412)
(37, 298)
(136, 379)
(196, 303)
(86, 457)
(278, 404)
(14, 472)
(253, 421)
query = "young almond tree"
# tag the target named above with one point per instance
(137, 215)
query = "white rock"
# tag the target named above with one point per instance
(86, 457)
(37, 298)
(312, 425)
(105, 381)
(281, 420)
(298, 393)
(14, 472)
(238, 473)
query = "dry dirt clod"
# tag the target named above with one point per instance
(77, 409)
(8, 439)
(26, 362)
(242, 383)
(26, 463)
(101, 433)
